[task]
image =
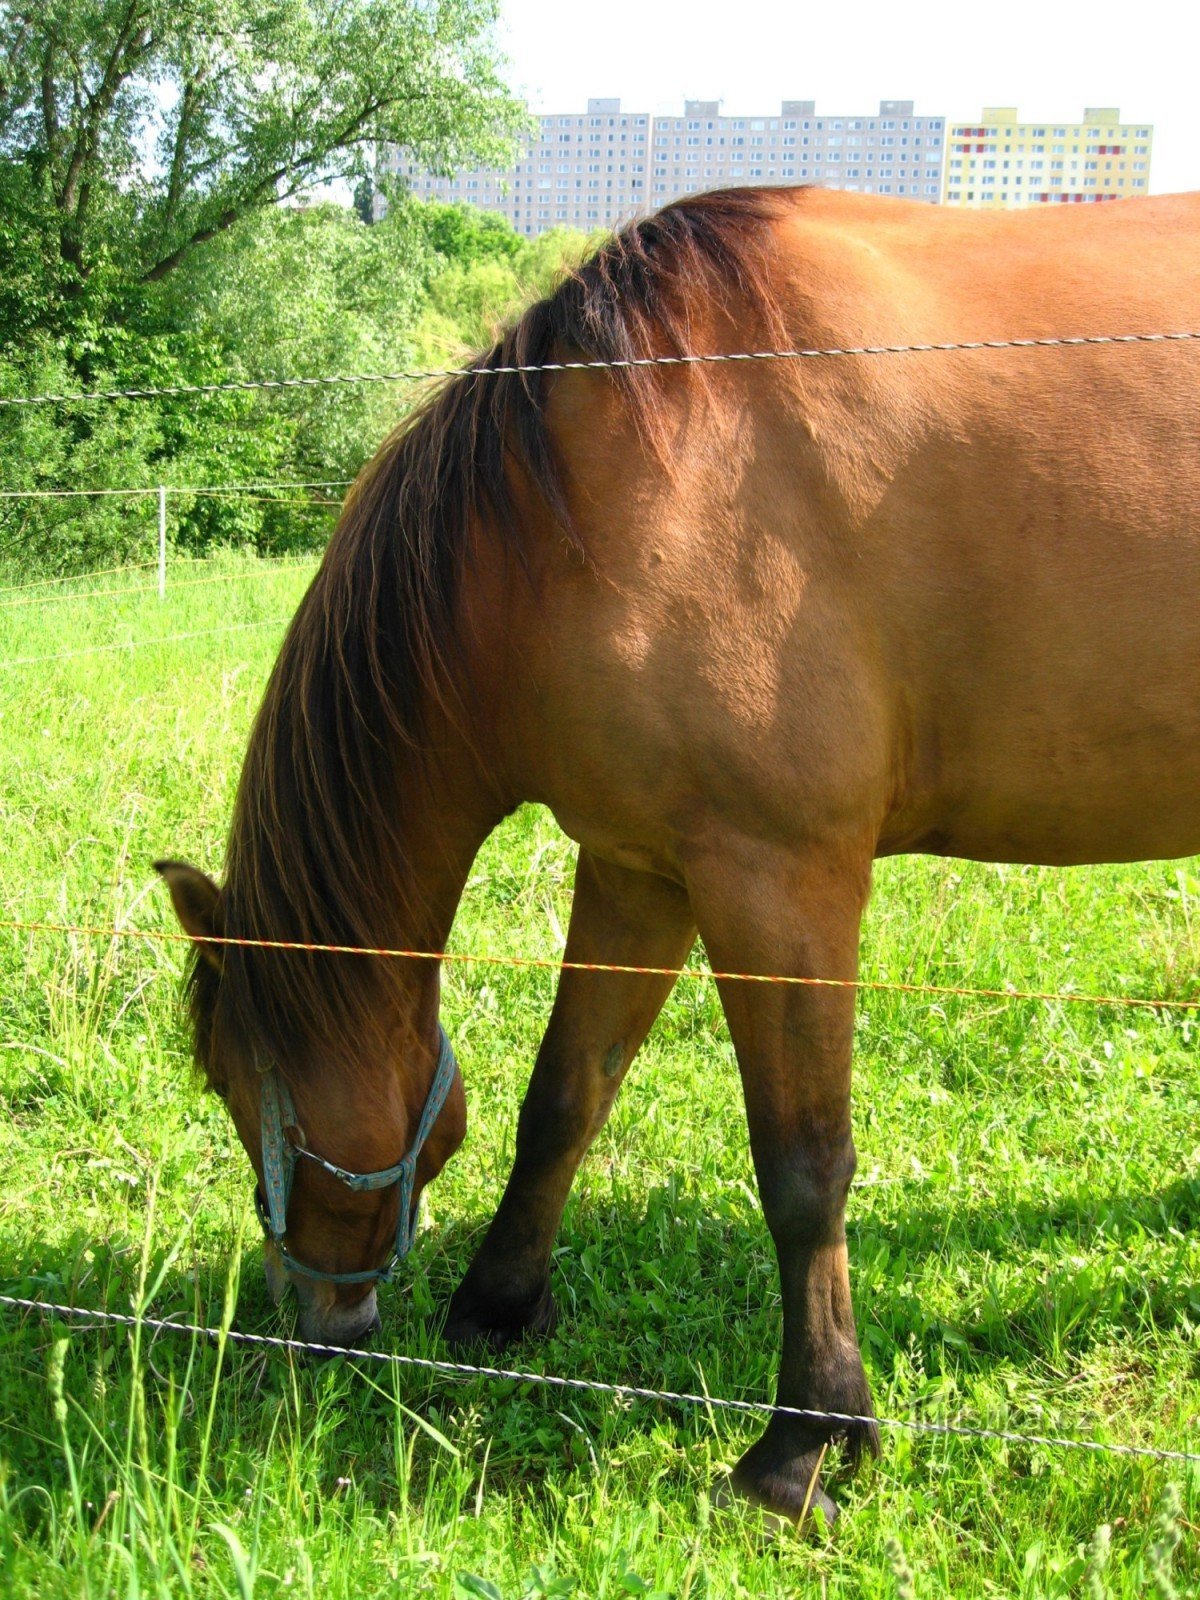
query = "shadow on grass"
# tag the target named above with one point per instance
(616, 1266)
(1063, 1272)
(699, 1310)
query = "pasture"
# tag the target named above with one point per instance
(1023, 1231)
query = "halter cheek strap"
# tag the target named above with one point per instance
(279, 1156)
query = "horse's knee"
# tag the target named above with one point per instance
(803, 1186)
(564, 1108)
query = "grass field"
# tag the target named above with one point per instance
(1023, 1234)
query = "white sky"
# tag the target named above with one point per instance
(1049, 58)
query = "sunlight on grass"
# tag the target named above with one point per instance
(1023, 1237)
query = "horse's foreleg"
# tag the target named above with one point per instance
(766, 913)
(598, 1022)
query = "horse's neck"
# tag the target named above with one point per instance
(450, 805)
(332, 863)
(439, 853)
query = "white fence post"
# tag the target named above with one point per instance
(162, 542)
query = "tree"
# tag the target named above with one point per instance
(134, 131)
(363, 199)
(294, 290)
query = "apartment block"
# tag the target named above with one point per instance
(598, 169)
(579, 171)
(894, 152)
(1002, 161)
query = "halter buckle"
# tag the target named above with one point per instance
(279, 1154)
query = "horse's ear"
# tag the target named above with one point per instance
(197, 902)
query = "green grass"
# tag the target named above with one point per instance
(1023, 1235)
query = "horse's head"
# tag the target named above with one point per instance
(343, 1127)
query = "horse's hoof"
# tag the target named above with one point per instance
(495, 1327)
(787, 1500)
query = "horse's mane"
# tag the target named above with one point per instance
(373, 644)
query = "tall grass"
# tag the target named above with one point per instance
(1023, 1235)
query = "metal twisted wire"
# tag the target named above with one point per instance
(141, 644)
(622, 1391)
(240, 385)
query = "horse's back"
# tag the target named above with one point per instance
(1031, 534)
(1001, 272)
(945, 598)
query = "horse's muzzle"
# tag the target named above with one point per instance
(336, 1327)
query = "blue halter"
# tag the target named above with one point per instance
(279, 1165)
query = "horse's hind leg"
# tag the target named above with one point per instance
(598, 1022)
(763, 911)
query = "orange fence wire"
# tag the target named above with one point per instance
(547, 964)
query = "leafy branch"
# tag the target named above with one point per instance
(142, 129)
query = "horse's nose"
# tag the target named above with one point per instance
(334, 1328)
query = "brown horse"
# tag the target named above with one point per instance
(743, 629)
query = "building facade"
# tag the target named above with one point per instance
(1002, 161)
(598, 169)
(579, 171)
(893, 152)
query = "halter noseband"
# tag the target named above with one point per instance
(279, 1153)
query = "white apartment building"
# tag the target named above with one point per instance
(894, 152)
(598, 169)
(583, 172)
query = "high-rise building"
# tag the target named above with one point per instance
(1001, 161)
(584, 172)
(598, 169)
(892, 152)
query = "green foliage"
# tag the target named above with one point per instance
(145, 150)
(467, 235)
(292, 292)
(492, 273)
(134, 131)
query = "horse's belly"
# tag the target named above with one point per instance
(1047, 652)
(1060, 772)
(1062, 836)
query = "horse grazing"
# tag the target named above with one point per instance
(743, 628)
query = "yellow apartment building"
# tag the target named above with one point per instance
(1001, 161)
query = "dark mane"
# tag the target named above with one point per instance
(319, 809)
